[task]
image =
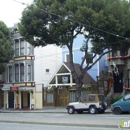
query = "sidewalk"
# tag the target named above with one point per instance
(94, 122)
(44, 110)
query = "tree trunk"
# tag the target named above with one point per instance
(78, 91)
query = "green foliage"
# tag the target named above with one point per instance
(116, 98)
(60, 21)
(6, 50)
(56, 21)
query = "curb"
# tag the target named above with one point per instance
(43, 112)
(61, 124)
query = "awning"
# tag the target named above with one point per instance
(14, 88)
(6, 87)
(26, 88)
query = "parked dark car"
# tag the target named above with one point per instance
(122, 105)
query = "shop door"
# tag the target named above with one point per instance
(11, 99)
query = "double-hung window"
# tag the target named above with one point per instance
(22, 72)
(29, 72)
(49, 97)
(16, 47)
(16, 73)
(10, 74)
(21, 46)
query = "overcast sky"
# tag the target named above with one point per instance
(10, 11)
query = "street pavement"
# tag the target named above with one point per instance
(93, 122)
(57, 121)
(44, 110)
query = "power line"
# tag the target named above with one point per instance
(78, 22)
(20, 2)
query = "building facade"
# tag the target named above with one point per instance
(19, 87)
(28, 72)
(62, 86)
(119, 67)
(47, 61)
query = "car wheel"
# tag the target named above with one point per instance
(80, 112)
(92, 110)
(117, 110)
(71, 110)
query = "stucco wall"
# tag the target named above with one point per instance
(49, 57)
(38, 98)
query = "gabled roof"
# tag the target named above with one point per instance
(65, 68)
(87, 78)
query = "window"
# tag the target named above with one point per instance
(50, 98)
(10, 74)
(123, 52)
(91, 98)
(16, 47)
(68, 57)
(47, 70)
(101, 97)
(16, 73)
(29, 72)
(83, 99)
(28, 49)
(128, 77)
(114, 54)
(22, 72)
(127, 97)
(22, 47)
(72, 96)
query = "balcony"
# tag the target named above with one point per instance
(119, 60)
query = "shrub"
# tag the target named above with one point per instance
(116, 98)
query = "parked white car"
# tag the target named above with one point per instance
(94, 103)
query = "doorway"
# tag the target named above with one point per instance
(118, 82)
(11, 99)
(25, 100)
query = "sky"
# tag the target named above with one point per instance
(11, 11)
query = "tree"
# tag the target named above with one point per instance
(106, 23)
(6, 50)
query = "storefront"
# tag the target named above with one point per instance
(19, 97)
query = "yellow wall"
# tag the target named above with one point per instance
(16, 100)
(38, 98)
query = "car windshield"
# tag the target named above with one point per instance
(101, 97)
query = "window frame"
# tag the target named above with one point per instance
(21, 71)
(29, 73)
(10, 74)
(17, 73)
(50, 98)
(16, 42)
(22, 47)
